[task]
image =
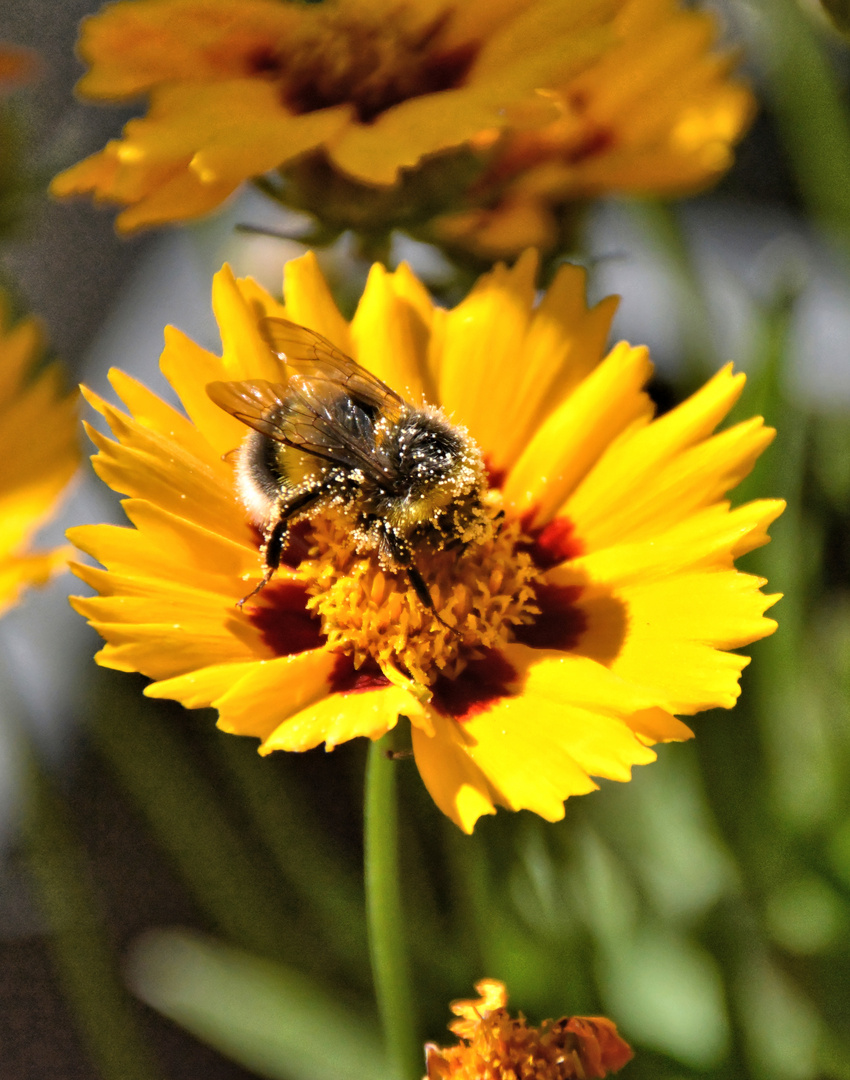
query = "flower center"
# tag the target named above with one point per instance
(480, 595)
(371, 66)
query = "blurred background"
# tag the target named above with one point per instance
(171, 905)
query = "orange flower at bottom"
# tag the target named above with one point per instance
(493, 1045)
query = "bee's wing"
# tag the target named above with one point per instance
(318, 360)
(296, 414)
(256, 402)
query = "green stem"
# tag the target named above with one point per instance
(390, 966)
(807, 98)
(663, 224)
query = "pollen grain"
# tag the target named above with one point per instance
(479, 595)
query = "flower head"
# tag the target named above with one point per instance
(592, 598)
(240, 87)
(657, 113)
(494, 1046)
(39, 454)
(354, 92)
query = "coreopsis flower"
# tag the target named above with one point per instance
(241, 87)
(494, 1046)
(499, 544)
(348, 97)
(657, 113)
(38, 437)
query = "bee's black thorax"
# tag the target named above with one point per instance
(354, 416)
(421, 451)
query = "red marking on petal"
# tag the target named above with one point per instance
(481, 683)
(347, 679)
(297, 545)
(264, 61)
(495, 477)
(594, 143)
(552, 544)
(560, 623)
(281, 616)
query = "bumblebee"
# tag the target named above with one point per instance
(334, 439)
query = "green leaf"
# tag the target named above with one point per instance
(263, 1015)
(838, 13)
(807, 98)
(191, 821)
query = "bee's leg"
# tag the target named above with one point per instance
(274, 540)
(399, 553)
(420, 588)
(273, 545)
(424, 596)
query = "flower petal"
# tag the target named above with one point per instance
(143, 466)
(166, 547)
(573, 438)
(246, 353)
(335, 718)
(647, 480)
(309, 301)
(666, 636)
(273, 690)
(455, 783)
(390, 338)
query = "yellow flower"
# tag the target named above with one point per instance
(38, 446)
(238, 88)
(493, 1046)
(598, 601)
(656, 114)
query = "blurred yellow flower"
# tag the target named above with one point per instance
(598, 600)
(633, 96)
(240, 87)
(38, 455)
(493, 1046)
(656, 114)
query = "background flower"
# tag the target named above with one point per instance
(603, 607)
(38, 451)
(632, 96)
(238, 89)
(656, 114)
